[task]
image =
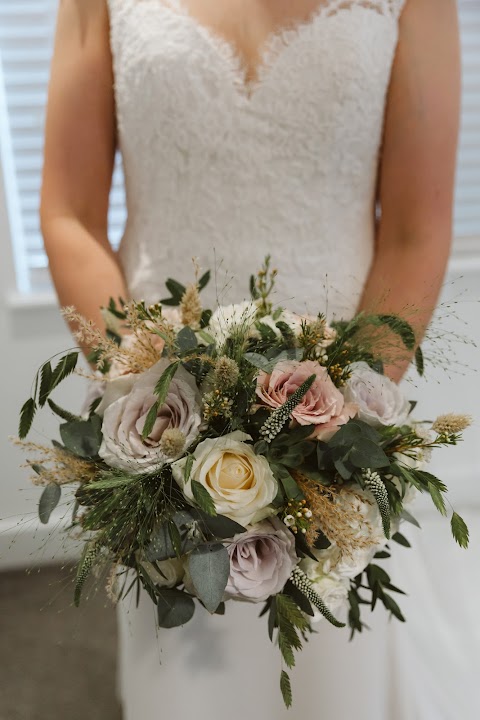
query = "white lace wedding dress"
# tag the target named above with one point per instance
(227, 172)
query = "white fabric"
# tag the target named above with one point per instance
(290, 170)
(434, 658)
(229, 172)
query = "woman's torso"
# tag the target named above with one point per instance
(228, 172)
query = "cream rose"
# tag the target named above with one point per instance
(261, 561)
(125, 405)
(240, 483)
(380, 400)
(322, 406)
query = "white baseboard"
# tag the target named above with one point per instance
(25, 542)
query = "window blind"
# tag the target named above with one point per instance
(26, 39)
(467, 215)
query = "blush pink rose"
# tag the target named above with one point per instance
(322, 406)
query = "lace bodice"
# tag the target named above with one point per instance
(228, 171)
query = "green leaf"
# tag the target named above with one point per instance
(391, 605)
(83, 437)
(175, 537)
(186, 340)
(401, 328)
(405, 515)
(45, 383)
(367, 454)
(150, 420)
(203, 498)
(174, 607)
(419, 361)
(286, 650)
(401, 539)
(286, 688)
(204, 321)
(253, 288)
(188, 468)
(176, 289)
(459, 530)
(65, 367)
(272, 617)
(209, 567)
(437, 498)
(219, 526)
(27, 413)
(204, 280)
(64, 414)
(161, 546)
(299, 598)
(161, 388)
(257, 360)
(290, 487)
(48, 502)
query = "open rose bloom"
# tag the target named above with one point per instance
(323, 406)
(238, 454)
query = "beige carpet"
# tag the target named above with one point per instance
(57, 662)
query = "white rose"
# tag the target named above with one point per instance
(164, 573)
(125, 405)
(240, 483)
(328, 584)
(366, 518)
(379, 399)
(229, 318)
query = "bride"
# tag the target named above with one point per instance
(323, 132)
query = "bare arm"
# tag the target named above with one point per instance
(79, 155)
(417, 173)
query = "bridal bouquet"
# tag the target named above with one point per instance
(247, 454)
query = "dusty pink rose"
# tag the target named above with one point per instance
(261, 561)
(323, 405)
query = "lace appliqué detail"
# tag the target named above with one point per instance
(226, 175)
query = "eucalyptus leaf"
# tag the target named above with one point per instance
(405, 515)
(366, 454)
(186, 340)
(174, 607)
(161, 546)
(83, 437)
(176, 289)
(290, 487)
(219, 526)
(209, 568)
(49, 501)
(401, 539)
(204, 280)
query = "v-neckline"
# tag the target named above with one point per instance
(276, 43)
